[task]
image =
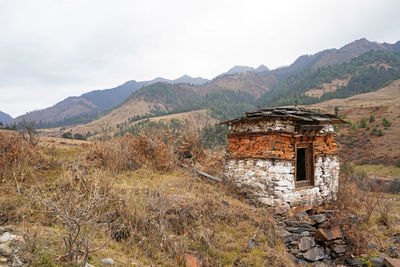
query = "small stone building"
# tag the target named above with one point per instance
(284, 156)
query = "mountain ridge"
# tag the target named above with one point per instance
(256, 81)
(5, 118)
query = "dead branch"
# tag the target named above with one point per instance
(201, 173)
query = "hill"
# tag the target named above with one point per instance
(372, 142)
(88, 106)
(4, 117)
(336, 56)
(251, 87)
(366, 73)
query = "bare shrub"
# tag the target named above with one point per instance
(191, 150)
(156, 149)
(148, 149)
(16, 156)
(114, 154)
(82, 208)
(27, 130)
(385, 206)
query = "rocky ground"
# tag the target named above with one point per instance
(318, 240)
(11, 249)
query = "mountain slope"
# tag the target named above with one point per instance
(84, 108)
(5, 118)
(366, 73)
(336, 56)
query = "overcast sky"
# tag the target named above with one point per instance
(53, 49)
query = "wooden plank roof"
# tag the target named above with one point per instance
(300, 115)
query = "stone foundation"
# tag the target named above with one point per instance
(272, 182)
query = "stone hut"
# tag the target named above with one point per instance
(284, 157)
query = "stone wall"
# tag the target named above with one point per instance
(272, 182)
(261, 158)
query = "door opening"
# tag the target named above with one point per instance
(304, 165)
(301, 168)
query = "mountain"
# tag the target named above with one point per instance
(84, 108)
(88, 104)
(262, 68)
(235, 70)
(336, 56)
(184, 79)
(5, 118)
(365, 73)
(254, 82)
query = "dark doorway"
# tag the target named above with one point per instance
(301, 168)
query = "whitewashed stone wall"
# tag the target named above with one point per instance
(273, 182)
(262, 126)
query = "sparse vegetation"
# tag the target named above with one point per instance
(398, 163)
(105, 206)
(336, 111)
(386, 123)
(67, 135)
(363, 123)
(371, 118)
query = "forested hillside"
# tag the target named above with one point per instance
(368, 72)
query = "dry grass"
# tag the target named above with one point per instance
(16, 157)
(378, 170)
(156, 214)
(377, 215)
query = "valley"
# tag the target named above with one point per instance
(123, 175)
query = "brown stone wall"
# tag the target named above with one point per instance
(277, 145)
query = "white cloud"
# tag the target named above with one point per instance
(53, 49)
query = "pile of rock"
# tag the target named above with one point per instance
(313, 239)
(10, 249)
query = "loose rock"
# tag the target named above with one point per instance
(299, 230)
(301, 215)
(314, 254)
(389, 262)
(353, 262)
(395, 239)
(192, 261)
(5, 250)
(378, 262)
(305, 233)
(318, 218)
(339, 249)
(306, 243)
(299, 224)
(328, 234)
(252, 243)
(107, 262)
(5, 237)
